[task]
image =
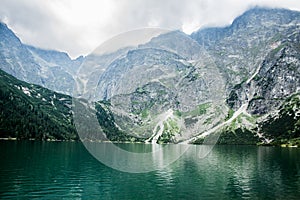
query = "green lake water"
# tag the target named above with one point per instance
(65, 170)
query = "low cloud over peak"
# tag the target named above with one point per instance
(78, 26)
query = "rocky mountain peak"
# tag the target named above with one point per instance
(173, 87)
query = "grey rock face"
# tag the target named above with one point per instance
(277, 79)
(241, 47)
(254, 63)
(164, 79)
(51, 69)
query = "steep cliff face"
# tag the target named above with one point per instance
(268, 92)
(240, 48)
(15, 58)
(231, 82)
(51, 69)
(279, 76)
(276, 79)
(170, 79)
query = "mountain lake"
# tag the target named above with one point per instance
(66, 170)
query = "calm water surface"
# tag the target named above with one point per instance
(65, 170)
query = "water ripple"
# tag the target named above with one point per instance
(67, 171)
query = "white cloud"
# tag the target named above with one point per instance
(79, 26)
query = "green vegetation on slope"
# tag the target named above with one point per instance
(107, 122)
(285, 127)
(30, 111)
(171, 128)
(238, 136)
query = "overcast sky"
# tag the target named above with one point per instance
(79, 26)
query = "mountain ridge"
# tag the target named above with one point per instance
(49, 68)
(180, 87)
